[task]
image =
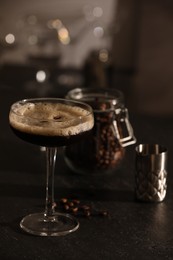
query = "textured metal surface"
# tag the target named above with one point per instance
(151, 173)
(151, 186)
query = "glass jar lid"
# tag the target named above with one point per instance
(101, 99)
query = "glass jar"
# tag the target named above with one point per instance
(104, 147)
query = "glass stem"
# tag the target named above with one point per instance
(51, 153)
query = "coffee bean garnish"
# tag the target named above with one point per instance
(57, 118)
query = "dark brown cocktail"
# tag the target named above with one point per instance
(49, 124)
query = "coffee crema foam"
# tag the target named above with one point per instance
(50, 119)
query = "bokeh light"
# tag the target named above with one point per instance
(41, 76)
(10, 38)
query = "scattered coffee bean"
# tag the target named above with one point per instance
(79, 209)
(103, 213)
(87, 213)
(66, 207)
(54, 205)
(64, 200)
(71, 204)
(85, 207)
(76, 201)
(74, 210)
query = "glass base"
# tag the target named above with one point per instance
(57, 225)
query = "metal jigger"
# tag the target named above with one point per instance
(151, 172)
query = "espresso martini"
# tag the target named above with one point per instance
(49, 124)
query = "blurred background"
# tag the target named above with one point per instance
(48, 47)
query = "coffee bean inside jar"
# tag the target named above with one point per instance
(102, 150)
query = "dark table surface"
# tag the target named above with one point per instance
(132, 230)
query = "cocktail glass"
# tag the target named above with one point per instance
(50, 122)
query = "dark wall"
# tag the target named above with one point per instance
(144, 44)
